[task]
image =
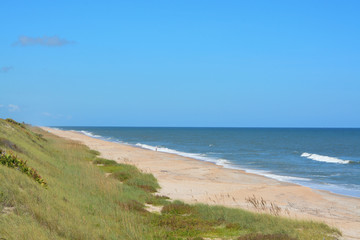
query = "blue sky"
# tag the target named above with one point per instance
(181, 63)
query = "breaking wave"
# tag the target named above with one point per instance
(321, 158)
(225, 163)
(89, 134)
(198, 156)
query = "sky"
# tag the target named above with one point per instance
(199, 63)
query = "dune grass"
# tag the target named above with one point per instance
(81, 202)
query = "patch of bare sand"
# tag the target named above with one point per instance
(195, 181)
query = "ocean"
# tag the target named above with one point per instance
(320, 158)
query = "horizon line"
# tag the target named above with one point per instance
(206, 127)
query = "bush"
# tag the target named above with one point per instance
(104, 161)
(177, 208)
(94, 152)
(12, 121)
(12, 161)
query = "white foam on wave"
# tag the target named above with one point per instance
(223, 162)
(198, 156)
(321, 158)
(89, 134)
(277, 177)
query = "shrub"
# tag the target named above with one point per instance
(104, 161)
(12, 121)
(121, 175)
(12, 161)
(177, 208)
(94, 152)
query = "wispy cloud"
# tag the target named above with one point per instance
(56, 116)
(6, 69)
(47, 114)
(13, 108)
(53, 41)
(1, 105)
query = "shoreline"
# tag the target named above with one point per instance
(197, 181)
(245, 171)
(225, 165)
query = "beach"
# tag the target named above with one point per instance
(195, 181)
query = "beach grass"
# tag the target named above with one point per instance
(82, 201)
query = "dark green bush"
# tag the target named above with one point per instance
(121, 175)
(104, 161)
(12, 121)
(12, 161)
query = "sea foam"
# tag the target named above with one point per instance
(321, 158)
(89, 134)
(280, 178)
(197, 156)
(225, 163)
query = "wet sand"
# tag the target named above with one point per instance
(196, 181)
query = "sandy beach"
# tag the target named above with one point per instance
(195, 181)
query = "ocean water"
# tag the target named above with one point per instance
(327, 159)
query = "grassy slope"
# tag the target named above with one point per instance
(80, 202)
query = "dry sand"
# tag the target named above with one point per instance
(195, 181)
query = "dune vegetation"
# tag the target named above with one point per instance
(52, 188)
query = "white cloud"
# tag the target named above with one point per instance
(53, 41)
(6, 69)
(13, 108)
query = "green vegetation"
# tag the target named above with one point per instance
(12, 121)
(104, 161)
(185, 220)
(88, 197)
(128, 174)
(12, 161)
